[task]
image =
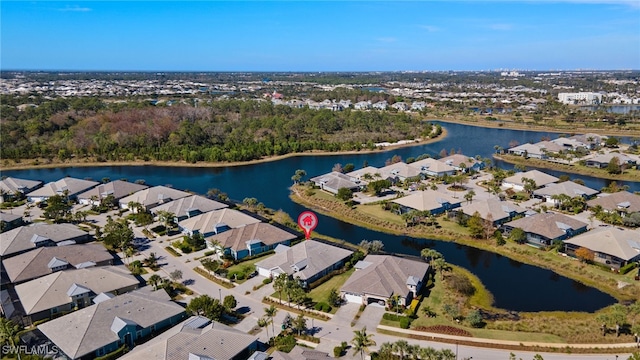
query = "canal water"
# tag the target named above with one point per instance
(515, 286)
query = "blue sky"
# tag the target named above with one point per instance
(320, 35)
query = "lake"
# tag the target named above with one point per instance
(515, 286)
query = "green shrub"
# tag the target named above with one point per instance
(337, 351)
(209, 253)
(267, 281)
(625, 269)
(404, 322)
(322, 306)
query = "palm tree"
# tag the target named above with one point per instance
(401, 347)
(386, 351)
(262, 322)
(430, 254)
(154, 280)
(8, 332)
(361, 342)
(271, 313)
(440, 266)
(469, 196)
(279, 284)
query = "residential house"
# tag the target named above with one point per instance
(570, 143)
(250, 239)
(118, 189)
(362, 105)
(463, 163)
(37, 235)
(364, 175)
(494, 210)
(309, 260)
(300, 353)
(568, 188)
(10, 221)
(418, 105)
(152, 197)
(188, 207)
(541, 179)
(614, 247)
(428, 200)
(102, 328)
(399, 171)
(543, 229)
(215, 222)
(63, 291)
(433, 168)
(69, 187)
(334, 181)
(46, 260)
(400, 106)
(622, 202)
(602, 161)
(592, 140)
(11, 186)
(379, 277)
(197, 338)
(529, 151)
(380, 105)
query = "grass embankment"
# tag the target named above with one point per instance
(447, 230)
(321, 293)
(627, 175)
(555, 124)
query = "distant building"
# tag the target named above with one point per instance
(588, 98)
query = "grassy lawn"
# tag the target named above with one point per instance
(246, 266)
(377, 211)
(322, 292)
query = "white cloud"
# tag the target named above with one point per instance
(75, 9)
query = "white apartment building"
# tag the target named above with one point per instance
(580, 98)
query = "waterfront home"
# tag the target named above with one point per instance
(215, 222)
(10, 221)
(152, 197)
(334, 181)
(570, 144)
(102, 328)
(46, 260)
(197, 338)
(614, 247)
(10, 187)
(590, 139)
(63, 291)
(494, 210)
(188, 207)
(300, 353)
(117, 189)
(463, 163)
(544, 229)
(37, 235)
(602, 161)
(399, 171)
(433, 168)
(541, 179)
(68, 187)
(529, 151)
(364, 175)
(249, 240)
(309, 260)
(380, 277)
(569, 188)
(622, 202)
(428, 200)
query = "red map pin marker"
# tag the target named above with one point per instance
(308, 221)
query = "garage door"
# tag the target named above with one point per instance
(353, 298)
(264, 272)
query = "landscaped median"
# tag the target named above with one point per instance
(527, 345)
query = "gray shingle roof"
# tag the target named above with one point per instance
(19, 239)
(621, 243)
(566, 187)
(37, 262)
(384, 276)
(498, 209)
(622, 200)
(311, 257)
(153, 196)
(51, 291)
(206, 222)
(72, 185)
(539, 177)
(549, 225)
(84, 331)
(426, 200)
(181, 207)
(12, 185)
(117, 188)
(237, 238)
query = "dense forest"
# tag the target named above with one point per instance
(220, 130)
